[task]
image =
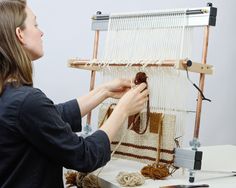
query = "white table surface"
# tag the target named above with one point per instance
(215, 158)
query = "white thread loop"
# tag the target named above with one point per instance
(130, 179)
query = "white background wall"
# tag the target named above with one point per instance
(66, 26)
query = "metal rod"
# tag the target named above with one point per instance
(159, 13)
(219, 172)
(196, 17)
(201, 85)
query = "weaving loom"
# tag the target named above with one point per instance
(159, 44)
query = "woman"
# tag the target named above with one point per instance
(37, 137)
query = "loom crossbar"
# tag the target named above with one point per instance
(180, 64)
(204, 16)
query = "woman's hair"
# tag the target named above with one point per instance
(15, 64)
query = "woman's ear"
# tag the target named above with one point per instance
(20, 35)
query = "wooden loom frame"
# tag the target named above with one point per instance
(207, 18)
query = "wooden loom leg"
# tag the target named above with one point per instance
(201, 85)
(92, 80)
(195, 143)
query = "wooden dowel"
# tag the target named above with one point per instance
(74, 62)
(97, 65)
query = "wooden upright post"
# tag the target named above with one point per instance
(93, 74)
(201, 85)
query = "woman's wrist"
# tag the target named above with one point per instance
(114, 122)
(103, 90)
(122, 109)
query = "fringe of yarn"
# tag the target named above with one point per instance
(130, 179)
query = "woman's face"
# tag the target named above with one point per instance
(31, 36)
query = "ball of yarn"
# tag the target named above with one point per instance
(71, 177)
(81, 180)
(155, 171)
(130, 179)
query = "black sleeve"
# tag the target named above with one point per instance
(70, 113)
(44, 128)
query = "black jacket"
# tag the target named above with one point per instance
(37, 139)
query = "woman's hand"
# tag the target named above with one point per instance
(117, 88)
(114, 89)
(131, 103)
(134, 100)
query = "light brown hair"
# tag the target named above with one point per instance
(15, 64)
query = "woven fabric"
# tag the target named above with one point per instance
(144, 147)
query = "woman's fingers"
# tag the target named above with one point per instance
(145, 93)
(143, 101)
(127, 83)
(139, 88)
(141, 105)
(124, 83)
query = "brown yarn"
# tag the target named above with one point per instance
(156, 120)
(133, 120)
(107, 114)
(135, 124)
(81, 180)
(90, 181)
(159, 171)
(140, 77)
(70, 178)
